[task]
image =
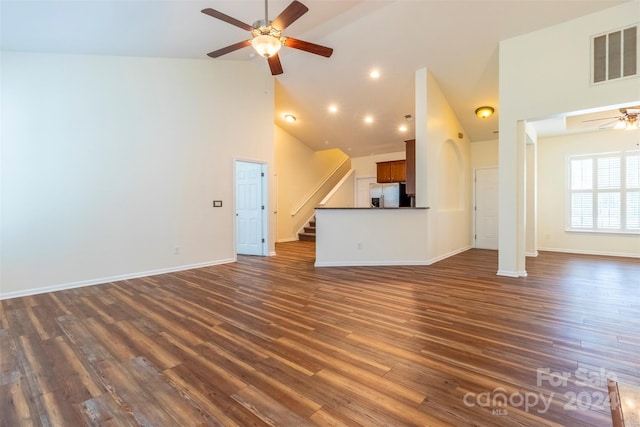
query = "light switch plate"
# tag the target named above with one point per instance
(217, 203)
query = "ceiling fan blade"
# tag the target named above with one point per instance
(602, 118)
(228, 49)
(608, 125)
(308, 47)
(288, 16)
(275, 65)
(226, 18)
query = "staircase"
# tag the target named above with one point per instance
(309, 234)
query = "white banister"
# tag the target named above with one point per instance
(336, 187)
(318, 187)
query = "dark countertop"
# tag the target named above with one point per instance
(374, 209)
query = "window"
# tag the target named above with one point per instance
(604, 192)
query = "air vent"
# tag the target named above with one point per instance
(615, 55)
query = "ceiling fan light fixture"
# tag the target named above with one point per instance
(621, 124)
(266, 45)
(484, 112)
(289, 118)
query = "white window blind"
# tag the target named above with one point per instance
(604, 192)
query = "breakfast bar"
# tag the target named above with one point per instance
(371, 236)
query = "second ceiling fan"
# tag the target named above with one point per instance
(267, 38)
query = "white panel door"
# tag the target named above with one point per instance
(249, 209)
(486, 209)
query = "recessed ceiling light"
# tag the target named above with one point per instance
(403, 128)
(333, 108)
(374, 74)
(289, 118)
(368, 119)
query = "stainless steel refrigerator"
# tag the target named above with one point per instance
(385, 195)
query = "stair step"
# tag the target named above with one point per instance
(307, 237)
(309, 234)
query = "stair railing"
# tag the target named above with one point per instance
(318, 188)
(337, 187)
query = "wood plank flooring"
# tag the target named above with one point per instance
(276, 342)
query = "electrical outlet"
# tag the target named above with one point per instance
(176, 250)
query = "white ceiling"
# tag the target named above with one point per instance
(456, 40)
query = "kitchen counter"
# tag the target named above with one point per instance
(371, 236)
(373, 209)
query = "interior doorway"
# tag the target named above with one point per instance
(486, 208)
(251, 209)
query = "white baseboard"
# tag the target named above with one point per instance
(368, 263)
(289, 239)
(104, 280)
(507, 273)
(448, 255)
(531, 254)
(583, 252)
(356, 263)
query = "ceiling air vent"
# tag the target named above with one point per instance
(615, 55)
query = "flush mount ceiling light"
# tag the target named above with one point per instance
(289, 118)
(484, 112)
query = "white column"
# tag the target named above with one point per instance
(512, 200)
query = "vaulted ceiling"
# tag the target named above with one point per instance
(456, 40)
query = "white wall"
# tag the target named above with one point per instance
(343, 194)
(544, 73)
(443, 170)
(552, 192)
(299, 171)
(484, 154)
(110, 163)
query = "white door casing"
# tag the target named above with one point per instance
(486, 208)
(250, 208)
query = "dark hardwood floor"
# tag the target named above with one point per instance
(275, 341)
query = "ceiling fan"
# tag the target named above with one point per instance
(629, 119)
(267, 38)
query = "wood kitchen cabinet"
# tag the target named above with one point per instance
(411, 167)
(393, 171)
